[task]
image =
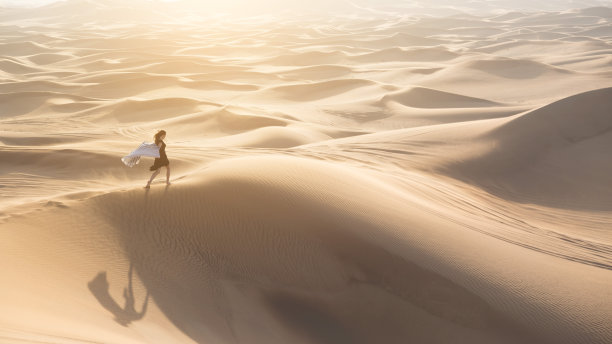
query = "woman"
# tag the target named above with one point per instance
(162, 160)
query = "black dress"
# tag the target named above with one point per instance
(162, 160)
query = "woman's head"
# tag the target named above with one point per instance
(159, 136)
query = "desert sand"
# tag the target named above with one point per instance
(388, 176)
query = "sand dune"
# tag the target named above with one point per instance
(599, 11)
(601, 31)
(400, 39)
(67, 160)
(422, 97)
(309, 58)
(273, 136)
(320, 90)
(37, 86)
(131, 110)
(21, 103)
(397, 54)
(16, 67)
(217, 121)
(512, 68)
(386, 175)
(337, 256)
(317, 72)
(22, 48)
(563, 141)
(45, 59)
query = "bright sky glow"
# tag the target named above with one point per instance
(338, 6)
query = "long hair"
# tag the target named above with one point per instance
(158, 136)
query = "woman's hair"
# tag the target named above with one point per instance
(158, 136)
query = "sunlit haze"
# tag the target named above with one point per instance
(340, 6)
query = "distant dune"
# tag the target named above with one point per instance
(553, 154)
(422, 97)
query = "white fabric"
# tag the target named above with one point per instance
(145, 149)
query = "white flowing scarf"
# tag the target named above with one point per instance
(145, 149)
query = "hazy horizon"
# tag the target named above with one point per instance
(482, 6)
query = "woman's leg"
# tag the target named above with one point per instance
(168, 174)
(153, 177)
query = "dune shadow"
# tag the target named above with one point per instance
(309, 318)
(125, 315)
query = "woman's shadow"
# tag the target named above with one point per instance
(99, 287)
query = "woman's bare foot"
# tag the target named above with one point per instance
(148, 186)
(168, 183)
